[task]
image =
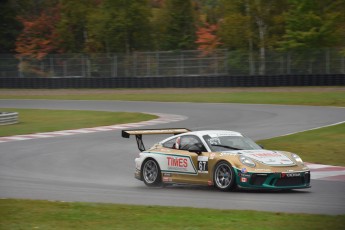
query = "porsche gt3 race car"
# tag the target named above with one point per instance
(224, 159)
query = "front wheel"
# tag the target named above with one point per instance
(151, 173)
(224, 176)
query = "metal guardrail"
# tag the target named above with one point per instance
(8, 118)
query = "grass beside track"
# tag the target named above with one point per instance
(42, 120)
(326, 98)
(28, 214)
(323, 146)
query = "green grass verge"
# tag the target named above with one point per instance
(39, 120)
(286, 98)
(27, 214)
(324, 146)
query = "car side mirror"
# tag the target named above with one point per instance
(195, 149)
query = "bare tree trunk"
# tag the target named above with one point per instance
(250, 44)
(251, 58)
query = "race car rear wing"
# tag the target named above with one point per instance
(140, 132)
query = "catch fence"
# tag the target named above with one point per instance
(175, 63)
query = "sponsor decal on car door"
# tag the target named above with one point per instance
(175, 163)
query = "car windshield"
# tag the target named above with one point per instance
(227, 143)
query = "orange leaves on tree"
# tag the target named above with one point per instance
(39, 36)
(207, 39)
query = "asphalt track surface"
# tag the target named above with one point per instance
(98, 167)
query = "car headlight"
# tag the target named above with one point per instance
(297, 158)
(247, 161)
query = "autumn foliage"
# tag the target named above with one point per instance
(39, 36)
(207, 39)
(118, 26)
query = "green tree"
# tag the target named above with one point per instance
(252, 25)
(9, 26)
(119, 26)
(72, 25)
(312, 24)
(179, 28)
(209, 10)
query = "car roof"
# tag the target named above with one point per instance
(215, 132)
(201, 133)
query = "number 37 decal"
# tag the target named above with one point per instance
(202, 164)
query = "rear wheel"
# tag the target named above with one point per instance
(151, 173)
(224, 176)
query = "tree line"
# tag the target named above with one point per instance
(36, 28)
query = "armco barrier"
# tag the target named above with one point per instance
(174, 82)
(8, 118)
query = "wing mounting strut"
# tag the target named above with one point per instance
(140, 143)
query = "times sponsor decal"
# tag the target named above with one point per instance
(177, 163)
(173, 163)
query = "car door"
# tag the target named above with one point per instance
(199, 161)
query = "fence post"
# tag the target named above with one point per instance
(42, 65)
(20, 67)
(51, 62)
(114, 69)
(134, 68)
(327, 61)
(199, 65)
(88, 67)
(216, 70)
(83, 71)
(281, 64)
(227, 62)
(181, 72)
(288, 63)
(251, 62)
(310, 66)
(147, 65)
(157, 63)
(64, 68)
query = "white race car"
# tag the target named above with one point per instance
(225, 159)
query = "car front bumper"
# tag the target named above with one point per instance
(275, 180)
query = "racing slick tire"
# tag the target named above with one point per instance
(151, 173)
(224, 176)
